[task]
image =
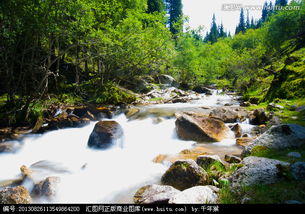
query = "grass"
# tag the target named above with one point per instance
(279, 154)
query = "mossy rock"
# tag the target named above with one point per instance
(184, 174)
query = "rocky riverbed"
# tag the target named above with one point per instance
(173, 146)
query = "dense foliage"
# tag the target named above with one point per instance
(89, 48)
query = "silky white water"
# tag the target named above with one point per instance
(101, 176)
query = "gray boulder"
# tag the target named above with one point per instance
(229, 114)
(196, 195)
(256, 171)
(280, 137)
(154, 194)
(184, 174)
(298, 171)
(105, 134)
(46, 188)
(168, 80)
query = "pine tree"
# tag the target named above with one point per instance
(252, 25)
(248, 25)
(155, 6)
(222, 32)
(175, 12)
(281, 2)
(214, 30)
(265, 12)
(241, 26)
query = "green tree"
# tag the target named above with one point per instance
(175, 12)
(155, 6)
(241, 26)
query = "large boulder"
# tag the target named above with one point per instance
(280, 137)
(15, 195)
(196, 195)
(257, 171)
(105, 134)
(200, 128)
(184, 174)
(168, 80)
(142, 86)
(154, 194)
(229, 114)
(298, 171)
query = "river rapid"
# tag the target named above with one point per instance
(112, 175)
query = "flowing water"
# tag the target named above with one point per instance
(113, 175)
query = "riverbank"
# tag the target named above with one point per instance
(150, 130)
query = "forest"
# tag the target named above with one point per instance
(87, 51)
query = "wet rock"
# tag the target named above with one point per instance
(203, 90)
(180, 100)
(46, 188)
(103, 112)
(232, 159)
(229, 114)
(294, 155)
(15, 195)
(25, 171)
(154, 194)
(10, 147)
(280, 137)
(259, 117)
(184, 174)
(105, 134)
(206, 161)
(256, 170)
(298, 171)
(244, 141)
(237, 130)
(64, 121)
(196, 195)
(200, 128)
(183, 155)
(131, 112)
(89, 115)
